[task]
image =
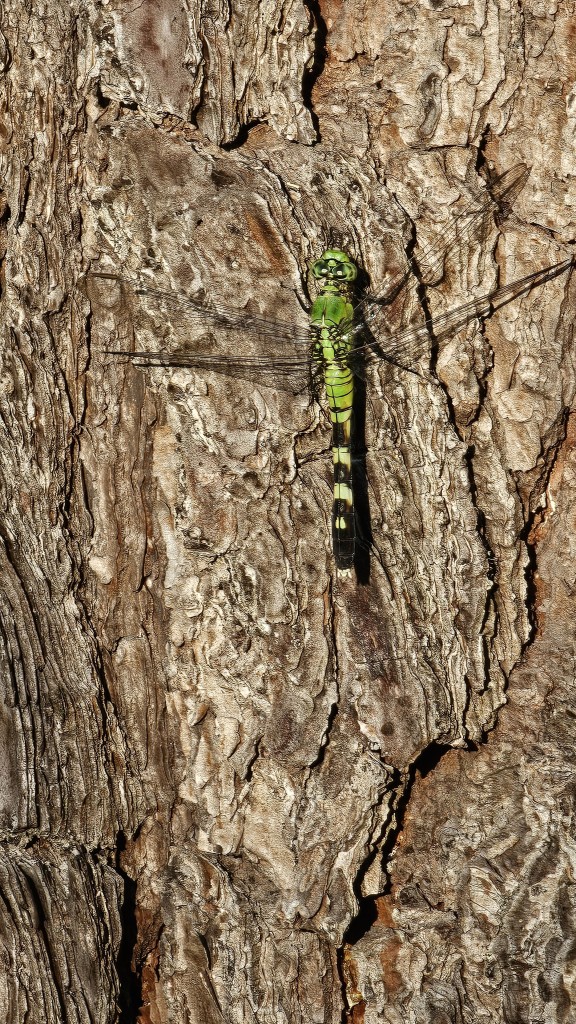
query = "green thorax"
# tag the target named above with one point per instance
(335, 272)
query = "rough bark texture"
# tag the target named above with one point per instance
(235, 787)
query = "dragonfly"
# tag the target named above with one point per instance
(346, 335)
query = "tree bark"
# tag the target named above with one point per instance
(237, 785)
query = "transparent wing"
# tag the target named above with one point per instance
(404, 347)
(294, 376)
(497, 198)
(211, 315)
(155, 328)
(286, 367)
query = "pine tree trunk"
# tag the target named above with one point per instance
(238, 785)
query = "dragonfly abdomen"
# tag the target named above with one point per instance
(339, 385)
(343, 527)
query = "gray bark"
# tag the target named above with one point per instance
(236, 786)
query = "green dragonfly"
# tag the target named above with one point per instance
(342, 339)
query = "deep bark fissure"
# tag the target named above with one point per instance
(312, 74)
(130, 978)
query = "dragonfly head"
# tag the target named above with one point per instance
(335, 267)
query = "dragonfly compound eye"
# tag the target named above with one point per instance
(348, 271)
(320, 268)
